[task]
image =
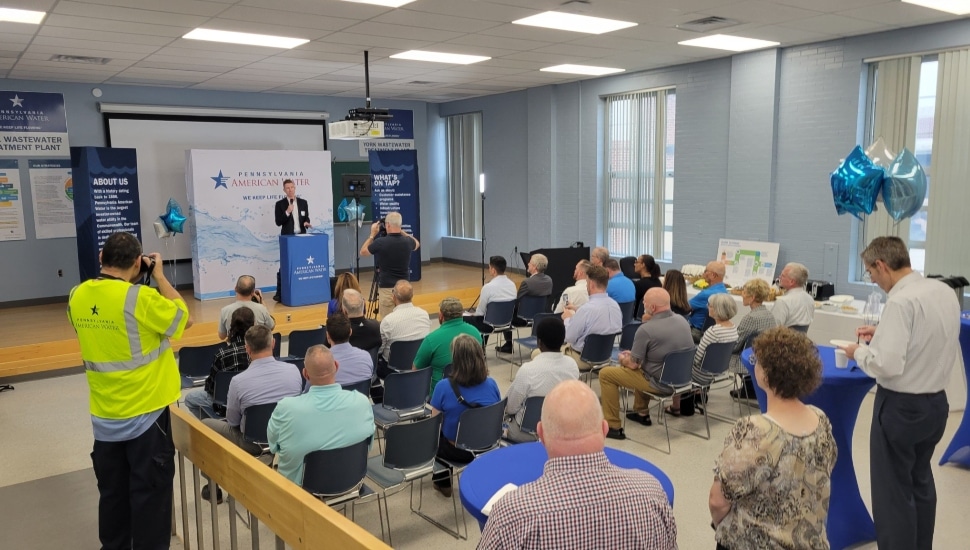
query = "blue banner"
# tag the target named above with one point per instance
(105, 191)
(304, 269)
(401, 125)
(32, 124)
(394, 188)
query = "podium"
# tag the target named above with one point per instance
(304, 269)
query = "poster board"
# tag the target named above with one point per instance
(746, 260)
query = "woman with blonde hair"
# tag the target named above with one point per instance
(754, 294)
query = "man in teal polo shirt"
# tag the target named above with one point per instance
(435, 350)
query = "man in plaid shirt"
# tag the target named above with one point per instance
(581, 500)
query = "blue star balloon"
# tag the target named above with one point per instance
(173, 218)
(904, 189)
(350, 210)
(856, 184)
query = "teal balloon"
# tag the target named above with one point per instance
(172, 218)
(856, 184)
(904, 188)
(348, 211)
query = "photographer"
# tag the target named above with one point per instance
(392, 258)
(247, 295)
(124, 331)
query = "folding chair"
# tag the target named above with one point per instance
(627, 335)
(676, 375)
(402, 354)
(597, 352)
(336, 476)
(530, 342)
(363, 387)
(195, 363)
(716, 362)
(256, 419)
(498, 318)
(302, 340)
(220, 393)
(627, 309)
(405, 397)
(800, 328)
(533, 412)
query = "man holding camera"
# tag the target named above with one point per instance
(292, 217)
(247, 295)
(392, 258)
(124, 331)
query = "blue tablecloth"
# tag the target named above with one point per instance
(840, 397)
(959, 449)
(522, 463)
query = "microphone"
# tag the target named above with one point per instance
(291, 201)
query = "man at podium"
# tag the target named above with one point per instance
(292, 217)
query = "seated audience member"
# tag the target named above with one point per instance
(326, 417)
(355, 364)
(345, 281)
(649, 272)
(539, 376)
(581, 500)
(662, 332)
(365, 333)
(796, 307)
(772, 481)
(722, 308)
(536, 284)
(755, 293)
(576, 295)
(404, 324)
(714, 275)
(435, 350)
(600, 315)
(499, 289)
(676, 287)
(232, 358)
(469, 383)
(620, 287)
(599, 255)
(248, 296)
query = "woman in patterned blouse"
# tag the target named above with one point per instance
(772, 480)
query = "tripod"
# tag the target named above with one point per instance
(373, 297)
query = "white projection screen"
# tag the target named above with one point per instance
(161, 145)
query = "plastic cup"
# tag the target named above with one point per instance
(841, 359)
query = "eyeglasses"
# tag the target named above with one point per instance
(754, 360)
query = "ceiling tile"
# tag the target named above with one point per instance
(190, 7)
(286, 18)
(116, 13)
(839, 25)
(107, 26)
(371, 28)
(405, 17)
(103, 37)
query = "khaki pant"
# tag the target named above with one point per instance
(614, 378)
(570, 352)
(385, 303)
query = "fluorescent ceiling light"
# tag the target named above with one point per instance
(582, 69)
(388, 3)
(438, 57)
(958, 7)
(21, 16)
(245, 38)
(728, 42)
(573, 22)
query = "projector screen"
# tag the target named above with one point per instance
(161, 144)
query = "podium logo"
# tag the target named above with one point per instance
(220, 180)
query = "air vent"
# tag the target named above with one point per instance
(708, 24)
(60, 58)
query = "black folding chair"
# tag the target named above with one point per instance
(627, 309)
(336, 476)
(676, 377)
(498, 319)
(597, 353)
(255, 419)
(220, 393)
(402, 354)
(362, 386)
(195, 363)
(302, 340)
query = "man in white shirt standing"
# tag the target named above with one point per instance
(578, 294)
(499, 289)
(796, 307)
(910, 355)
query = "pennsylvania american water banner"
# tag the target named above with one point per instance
(232, 196)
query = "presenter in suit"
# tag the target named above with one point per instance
(292, 217)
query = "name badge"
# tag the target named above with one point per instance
(302, 213)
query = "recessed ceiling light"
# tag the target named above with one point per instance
(245, 38)
(572, 22)
(438, 57)
(728, 42)
(388, 3)
(958, 7)
(21, 16)
(582, 69)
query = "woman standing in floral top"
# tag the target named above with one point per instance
(772, 481)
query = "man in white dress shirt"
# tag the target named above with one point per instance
(796, 307)
(578, 294)
(910, 355)
(499, 289)
(405, 323)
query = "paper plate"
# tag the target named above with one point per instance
(841, 298)
(840, 343)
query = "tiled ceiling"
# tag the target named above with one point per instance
(142, 45)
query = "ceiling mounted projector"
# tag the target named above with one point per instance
(363, 122)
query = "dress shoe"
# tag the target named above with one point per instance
(276, 297)
(616, 433)
(645, 420)
(741, 394)
(445, 491)
(206, 494)
(506, 348)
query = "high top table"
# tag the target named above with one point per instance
(839, 397)
(959, 449)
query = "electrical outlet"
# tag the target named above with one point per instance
(288, 317)
(60, 272)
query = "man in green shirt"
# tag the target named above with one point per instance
(435, 350)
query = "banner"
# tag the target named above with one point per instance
(398, 134)
(33, 124)
(395, 189)
(52, 194)
(232, 197)
(105, 201)
(11, 202)
(746, 260)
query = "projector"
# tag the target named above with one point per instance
(357, 129)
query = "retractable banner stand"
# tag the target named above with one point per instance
(105, 189)
(304, 269)
(394, 188)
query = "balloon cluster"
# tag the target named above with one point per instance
(349, 211)
(863, 175)
(173, 220)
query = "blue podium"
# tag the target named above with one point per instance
(304, 269)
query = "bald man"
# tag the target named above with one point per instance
(714, 275)
(631, 508)
(326, 417)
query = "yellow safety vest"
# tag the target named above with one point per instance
(124, 330)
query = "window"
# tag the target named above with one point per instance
(639, 173)
(464, 141)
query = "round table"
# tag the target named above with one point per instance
(959, 449)
(522, 463)
(839, 397)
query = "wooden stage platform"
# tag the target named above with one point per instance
(40, 338)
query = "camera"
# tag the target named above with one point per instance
(145, 271)
(382, 228)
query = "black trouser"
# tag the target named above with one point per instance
(135, 483)
(905, 430)
(448, 451)
(478, 321)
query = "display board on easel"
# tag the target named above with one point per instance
(746, 260)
